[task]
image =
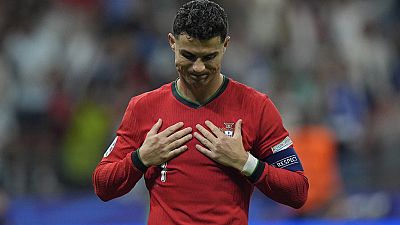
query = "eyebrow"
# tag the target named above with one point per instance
(191, 53)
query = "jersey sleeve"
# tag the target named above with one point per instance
(271, 132)
(116, 174)
(279, 174)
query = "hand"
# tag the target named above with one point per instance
(228, 151)
(160, 147)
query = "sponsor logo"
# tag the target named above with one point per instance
(287, 161)
(286, 143)
(109, 150)
(228, 129)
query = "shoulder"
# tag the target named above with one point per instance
(151, 97)
(248, 93)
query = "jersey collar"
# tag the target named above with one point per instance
(194, 105)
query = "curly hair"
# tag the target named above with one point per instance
(201, 19)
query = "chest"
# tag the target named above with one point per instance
(193, 165)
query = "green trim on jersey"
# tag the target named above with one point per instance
(191, 104)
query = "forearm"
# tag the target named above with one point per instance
(114, 179)
(284, 186)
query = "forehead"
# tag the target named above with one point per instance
(198, 46)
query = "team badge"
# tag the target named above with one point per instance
(228, 129)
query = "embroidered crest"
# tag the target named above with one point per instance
(228, 129)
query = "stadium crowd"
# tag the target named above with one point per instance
(69, 67)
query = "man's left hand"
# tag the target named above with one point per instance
(228, 151)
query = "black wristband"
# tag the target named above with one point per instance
(137, 162)
(257, 172)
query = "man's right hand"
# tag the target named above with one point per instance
(160, 147)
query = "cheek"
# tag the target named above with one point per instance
(181, 65)
(215, 67)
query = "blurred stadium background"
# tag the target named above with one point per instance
(69, 67)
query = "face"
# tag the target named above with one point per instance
(198, 62)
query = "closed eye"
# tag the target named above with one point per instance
(209, 57)
(189, 56)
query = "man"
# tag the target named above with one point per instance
(203, 141)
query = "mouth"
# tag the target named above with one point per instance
(198, 76)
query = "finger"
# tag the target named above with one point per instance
(177, 151)
(171, 129)
(238, 129)
(203, 140)
(205, 151)
(214, 129)
(179, 142)
(207, 134)
(179, 134)
(155, 128)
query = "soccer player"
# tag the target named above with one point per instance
(204, 141)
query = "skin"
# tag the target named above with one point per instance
(198, 63)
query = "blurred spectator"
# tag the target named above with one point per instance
(86, 137)
(318, 152)
(8, 125)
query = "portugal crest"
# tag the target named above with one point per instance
(228, 129)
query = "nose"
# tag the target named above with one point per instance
(198, 66)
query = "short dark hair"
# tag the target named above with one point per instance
(201, 19)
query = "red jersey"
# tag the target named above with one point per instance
(191, 188)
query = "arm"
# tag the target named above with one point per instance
(124, 162)
(112, 179)
(280, 175)
(284, 186)
(116, 174)
(281, 178)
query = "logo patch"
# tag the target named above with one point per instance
(109, 150)
(228, 129)
(287, 161)
(286, 143)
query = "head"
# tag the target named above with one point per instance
(199, 40)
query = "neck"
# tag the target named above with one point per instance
(199, 93)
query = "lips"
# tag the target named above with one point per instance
(198, 76)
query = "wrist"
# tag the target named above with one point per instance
(138, 162)
(250, 166)
(141, 158)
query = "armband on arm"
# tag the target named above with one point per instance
(285, 159)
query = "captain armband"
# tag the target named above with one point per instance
(285, 159)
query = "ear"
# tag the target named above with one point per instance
(172, 41)
(226, 42)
